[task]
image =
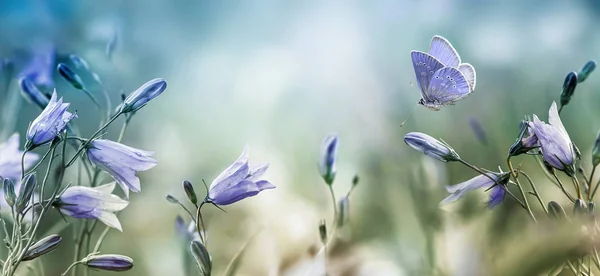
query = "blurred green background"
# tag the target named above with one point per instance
(280, 76)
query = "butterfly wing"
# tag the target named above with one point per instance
(447, 86)
(442, 50)
(469, 72)
(425, 67)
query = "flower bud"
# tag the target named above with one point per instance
(202, 257)
(25, 193)
(189, 192)
(323, 231)
(568, 89)
(32, 94)
(556, 211)
(43, 246)
(110, 262)
(355, 180)
(579, 208)
(596, 151)
(328, 160)
(9, 191)
(523, 144)
(140, 97)
(343, 211)
(70, 76)
(431, 146)
(585, 72)
(172, 199)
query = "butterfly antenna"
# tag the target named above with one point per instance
(410, 114)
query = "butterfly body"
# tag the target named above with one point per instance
(441, 77)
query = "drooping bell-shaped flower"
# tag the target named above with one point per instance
(92, 203)
(238, 181)
(556, 146)
(121, 162)
(53, 120)
(431, 146)
(494, 180)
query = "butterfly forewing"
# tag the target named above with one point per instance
(468, 72)
(442, 50)
(425, 67)
(447, 86)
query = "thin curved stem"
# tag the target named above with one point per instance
(334, 201)
(514, 175)
(562, 187)
(200, 222)
(577, 187)
(69, 268)
(535, 191)
(84, 145)
(101, 239)
(590, 181)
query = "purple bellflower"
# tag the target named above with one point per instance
(430, 146)
(92, 203)
(40, 67)
(481, 181)
(554, 142)
(328, 160)
(53, 119)
(121, 162)
(237, 182)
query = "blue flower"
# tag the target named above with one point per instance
(554, 142)
(53, 119)
(10, 159)
(430, 146)
(121, 162)
(140, 97)
(238, 181)
(489, 180)
(40, 67)
(328, 160)
(33, 94)
(92, 203)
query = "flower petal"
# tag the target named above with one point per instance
(235, 193)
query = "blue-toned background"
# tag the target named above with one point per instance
(280, 76)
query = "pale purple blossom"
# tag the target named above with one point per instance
(147, 92)
(489, 180)
(53, 119)
(238, 181)
(92, 203)
(121, 162)
(554, 141)
(430, 146)
(328, 160)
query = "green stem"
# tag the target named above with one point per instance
(84, 145)
(101, 239)
(516, 178)
(200, 222)
(124, 127)
(332, 193)
(535, 191)
(562, 187)
(69, 268)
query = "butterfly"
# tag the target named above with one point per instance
(441, 76)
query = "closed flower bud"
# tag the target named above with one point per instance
(323, 231)
(585, 72)
(202, 257)
(568, 89)
(596, 151)
(355, 180)
(189, 192)
(556, 211)
(25, 193)
(32, 94)
(110, 262)
(43, 246)
(525, 142)
(70, 76)
(431, 146)
(579, 207)
(328, 160)
(140, 97)
(9, 191)
(172, 199)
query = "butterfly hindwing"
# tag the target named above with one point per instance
(442, 50)
(447, 86)
(469, 72)
(425, 67)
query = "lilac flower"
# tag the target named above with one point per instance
(238, 181)
(526, 140)
(481, 181)
(40, 67)
(430, 146)
(121, 162)
(554, 142)
(33, 94)
(53, 119)
(109, 262)
(327, 163)
(10, 159)
(147, 92)
(92, 203)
